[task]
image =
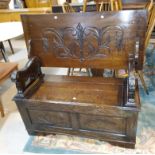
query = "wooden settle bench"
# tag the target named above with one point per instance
(94, 107)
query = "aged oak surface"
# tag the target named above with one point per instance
(94, 107)
(117, 41)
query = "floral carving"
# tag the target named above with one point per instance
(83, 43)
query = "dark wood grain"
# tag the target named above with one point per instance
(28, 78)
(93, 107)
(99, 49)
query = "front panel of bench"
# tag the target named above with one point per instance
(91, 40)
(107, 123)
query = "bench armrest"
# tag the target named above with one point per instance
(28, 79)
(131, 83)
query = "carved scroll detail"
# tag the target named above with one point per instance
(131, 81)
(83, 43)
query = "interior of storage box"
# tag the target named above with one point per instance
(107, 91)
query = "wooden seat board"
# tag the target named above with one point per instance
(66, 90)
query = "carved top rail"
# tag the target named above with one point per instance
(95, 40)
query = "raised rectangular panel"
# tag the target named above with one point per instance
(52, 118)
(103, 123)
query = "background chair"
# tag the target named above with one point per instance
(149, 7)
(116, 5)
(111, 5)
(84, 5)
(105, 6)
(98, 2)
(67, 8)
(5, 71)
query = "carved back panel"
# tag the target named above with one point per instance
(94, 40)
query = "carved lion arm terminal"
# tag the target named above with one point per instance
(28, 79)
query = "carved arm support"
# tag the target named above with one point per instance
(29, 78)
(131, 82)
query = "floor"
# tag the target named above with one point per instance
(12, 141)
(20, 57)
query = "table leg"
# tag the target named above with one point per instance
(9, 41)
(2, 48)
(1, 108)
(69, 71)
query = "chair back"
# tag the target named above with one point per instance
(101, 5)
(116, 5)
(86, 40)
(111, 5)
(38, 3)
(84, 5)
(105, 6)
(67, 8)
(151, 25)
(149, 7)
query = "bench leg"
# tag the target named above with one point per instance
(1, 108)
(9, 41)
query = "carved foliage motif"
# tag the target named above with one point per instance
(83, 43)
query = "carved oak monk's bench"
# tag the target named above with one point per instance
(94, 107)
